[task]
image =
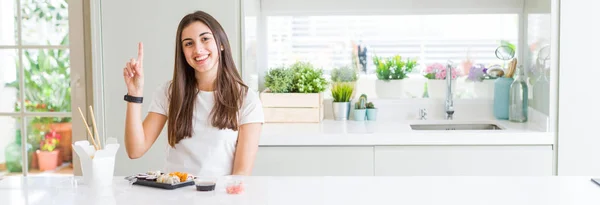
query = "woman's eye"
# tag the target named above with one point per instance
(188, 44)
(205, 39)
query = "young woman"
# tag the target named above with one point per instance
(213, 120)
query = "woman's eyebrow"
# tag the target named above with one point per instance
(202, 34)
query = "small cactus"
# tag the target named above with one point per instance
(370, 105)
(362, 101)
(364, 96)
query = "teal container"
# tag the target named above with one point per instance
(372, 114)
(502, 97)
(360, 115)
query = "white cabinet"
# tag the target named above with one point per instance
(463, 160)
(314, 161)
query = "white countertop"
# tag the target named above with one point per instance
(372, 133)
(316, 190)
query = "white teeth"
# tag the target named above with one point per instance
(201, 57)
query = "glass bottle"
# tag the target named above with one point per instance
(518, 104)
(14, 154)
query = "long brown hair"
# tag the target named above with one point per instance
(229, 92)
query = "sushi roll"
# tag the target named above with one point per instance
(173, 180)
(155, 173)
(151, 178)
(166, 179)
(141, 176)
(162, 178)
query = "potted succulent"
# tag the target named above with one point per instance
(360, 108)
(436, 80)
(294, 94)
(341, 93)
(390, 74)
(47, 154)
(371, 111)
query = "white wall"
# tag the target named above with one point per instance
(406, 6)
(124, 23)
(578, 138)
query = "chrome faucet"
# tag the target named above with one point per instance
(449, 100)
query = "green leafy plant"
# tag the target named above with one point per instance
(382, 67)
(45, 10)
(307, 79)
(410, 65)
(393, 68)
(343, 74)
(398, 68)
(279, 80)
(342, 92)
(47, 82)
(370, 105)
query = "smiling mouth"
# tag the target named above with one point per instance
(201, 59)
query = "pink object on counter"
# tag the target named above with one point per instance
(236, 188)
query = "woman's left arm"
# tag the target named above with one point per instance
(247, 146)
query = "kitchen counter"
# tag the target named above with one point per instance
(563, 190)
(373, 133)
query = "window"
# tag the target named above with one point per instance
(327, 41)
(35, 106)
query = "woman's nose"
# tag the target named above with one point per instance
(199, 48)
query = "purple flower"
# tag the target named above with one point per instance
(477, 73)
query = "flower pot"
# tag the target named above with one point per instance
(360, 114)
(65, 131)
(438, 88)
(372, 114)
(389, 88)
(47, 160)
(341, 110)
(484, 89)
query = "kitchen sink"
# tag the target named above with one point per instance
(455, 127)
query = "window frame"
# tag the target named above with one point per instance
(76, 47)
(262, 29)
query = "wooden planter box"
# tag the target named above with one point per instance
(292, 107)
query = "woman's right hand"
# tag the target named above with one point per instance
(134, 74)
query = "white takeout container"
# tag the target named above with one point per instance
(97, 166)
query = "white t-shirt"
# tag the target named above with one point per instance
(210, 151)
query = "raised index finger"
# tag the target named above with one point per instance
(140, 53)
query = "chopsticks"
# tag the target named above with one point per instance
(96, 146)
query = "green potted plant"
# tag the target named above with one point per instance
(47, 154)
(345, 74)
(47, 89)
(371, 111)
(390, 74)
(307, 78)
(360, 109)
(341, 93)
(294, 94)
(279, 80)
